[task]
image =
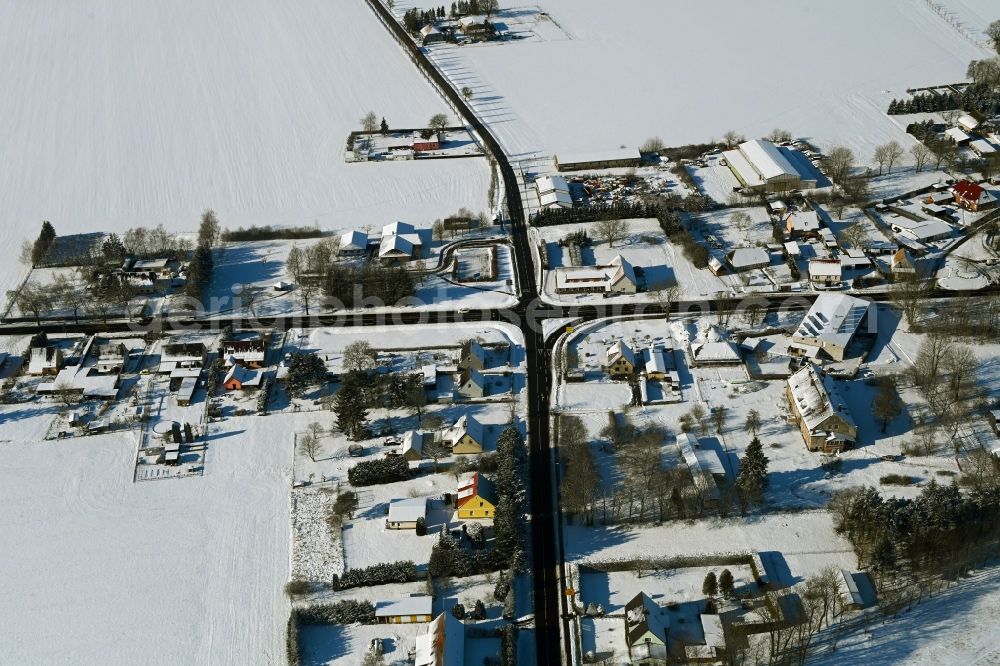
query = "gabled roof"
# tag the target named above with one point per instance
(466, 425)
(407, 510)
(393, 245)
(817, 397)
(417, 604)
(245, 376)
(619, 350)
(397, 228)
(642, 615)
(551, 184)
(622, 270)
(355, 241)
(475, 485)
(748, 257)
(443, 644)
(834, 318)
(655, 360)
(472, 349)
(767, 160)
(413, 440)
(825, 268)
(471, 375)
(970, 191)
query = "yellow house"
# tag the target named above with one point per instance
(476, 498)
(466, 436)
(405, 610)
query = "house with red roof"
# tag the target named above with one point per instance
(972, 196)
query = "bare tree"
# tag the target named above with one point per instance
(838, 164)
(31, 298)
(489, 7)
(653, 144)
(370, 122)
(856, 233)
(993, 32)
(732, 139)
(612, 230)
(359, 355)
(667, 296)
(438, 122)
(719, 414)
(742, 221)
(752, 423)
(467, 93)
(309, 445)
(907, 293)
(887, 155)
(920, 154)
(778, 135)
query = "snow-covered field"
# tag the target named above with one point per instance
(125, 114)
(743, 69)
(98, 570)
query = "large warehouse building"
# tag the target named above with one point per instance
(760, 165)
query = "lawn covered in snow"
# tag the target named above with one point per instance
(824, 71)
(125, 114)
(98, 570)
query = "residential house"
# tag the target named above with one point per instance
(748, 258)
(181, 355)
(972, 196)
(248, 353)
(471, 384)
(240, 378)
(429, 34)
(957, 136)
(400, 242)
(476, 498)
(924, 231)
(967, 122)
(802, 226)
(831, 325)
(405, 610)
(413, 445)
(903, 263)
(443, 644)
(821, 411)
(825, 273)
(646, 627)
(713, 347)
(982, 147)
(705, 466)
(615, 277)
(657, 362)
(472, 356)
(611, 159)
(353, 244)
(467, 436)
(420, 143)
(620, 361)
(84, 381)
(404, 513)
(45, 361)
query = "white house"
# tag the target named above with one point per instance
(831, 324)
(404, 513)
(354, 244)
(616, 277)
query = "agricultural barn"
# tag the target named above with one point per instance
(760, 165)
(611, 159)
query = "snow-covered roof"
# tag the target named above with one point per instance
(599, 156)
(407, 510)
(551, 184)
(767, 160)
(956, 135)
(656, 360)
(475, 485)
(743, 258)
(792, 248)
(443, 644)
(619, 350)
(559, 198)
(928, 230)
(413, 440)
(834, 319)
(595, 277)
(429, 29)
(393, 245)
(417, 604)
(397, 228)
(849, 588)
(824, 268)
(711, 626)
(983, 147)
(466, 425)
(354, 241)
(817, 397)
(245, 376)
(643, 616)
(80, 379)
(698, 459)
(968, 122)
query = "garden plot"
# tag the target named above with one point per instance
(185, 123)
(660, 262)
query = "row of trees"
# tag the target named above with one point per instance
(981, 96)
